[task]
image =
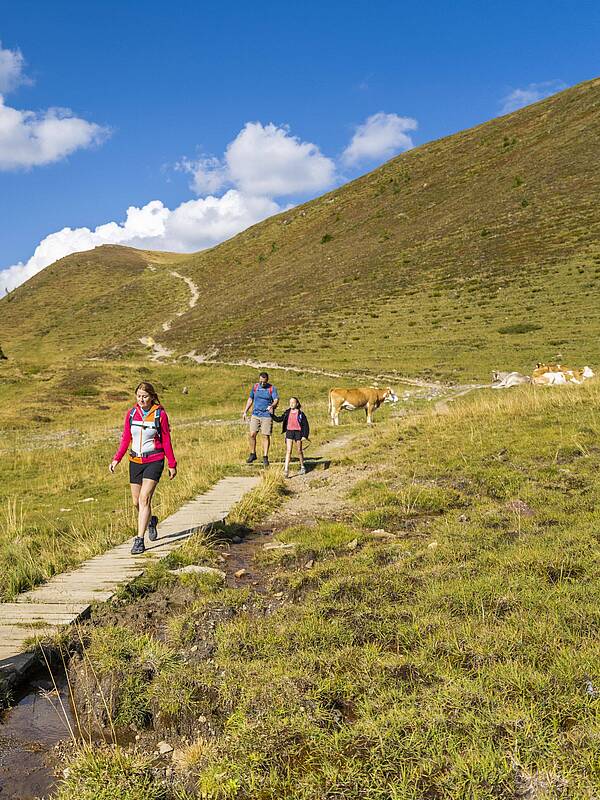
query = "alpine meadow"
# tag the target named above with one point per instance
(417, 617)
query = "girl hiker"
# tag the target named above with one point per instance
(296, 428)
(146, 429)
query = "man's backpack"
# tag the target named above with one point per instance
(257, 387)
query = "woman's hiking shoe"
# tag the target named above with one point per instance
(302, 471)
(138, 546)
(251, 458)
(265, 461)
(152, 532)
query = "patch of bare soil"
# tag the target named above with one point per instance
(317, 496)
(147, 614)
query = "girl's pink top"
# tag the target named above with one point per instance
(164, 447)
(292, 423)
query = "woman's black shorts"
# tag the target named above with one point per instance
(295, 436)
(152, 470)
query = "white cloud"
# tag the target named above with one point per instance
(208, 174)
(378, 138)
(518, 98)
(262, 163)
(11, 70)
(264, 160)
(269, 160)
(193, 225)
(29, 139)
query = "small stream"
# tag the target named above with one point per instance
(29, 732)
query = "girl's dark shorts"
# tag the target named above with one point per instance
(296, 436)
(153, 470)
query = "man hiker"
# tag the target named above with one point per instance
(264, 397)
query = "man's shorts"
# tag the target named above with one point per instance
(262, 424)
(152, 470)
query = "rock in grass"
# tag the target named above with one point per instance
(309, 564)
(352, 545)
(236, 539)
(381, 534)
(240, 573)
(198, 569)
(164, 748)
(279, 546)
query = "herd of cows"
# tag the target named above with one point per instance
(542, 375)
(370, 398)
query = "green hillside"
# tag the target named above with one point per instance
(476, 251)
(90, 300)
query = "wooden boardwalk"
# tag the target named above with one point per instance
(67, 597)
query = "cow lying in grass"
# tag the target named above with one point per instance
(368, 398)
(504, 380)
(559, 374)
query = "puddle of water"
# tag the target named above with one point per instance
(241, 556)
(28, 734)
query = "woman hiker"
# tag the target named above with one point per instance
(146, 429)
(296, 428)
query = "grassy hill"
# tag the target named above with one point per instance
(90, 300)
(476, 251)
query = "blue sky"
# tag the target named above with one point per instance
(157, 89)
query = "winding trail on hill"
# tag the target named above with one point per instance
(158, 350)
(194, 297)
(209, 358)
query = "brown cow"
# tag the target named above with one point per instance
(369, 398)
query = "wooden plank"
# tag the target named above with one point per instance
(58, 608)
(66, 597)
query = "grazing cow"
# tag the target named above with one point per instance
(368, 398)
(504, 380)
